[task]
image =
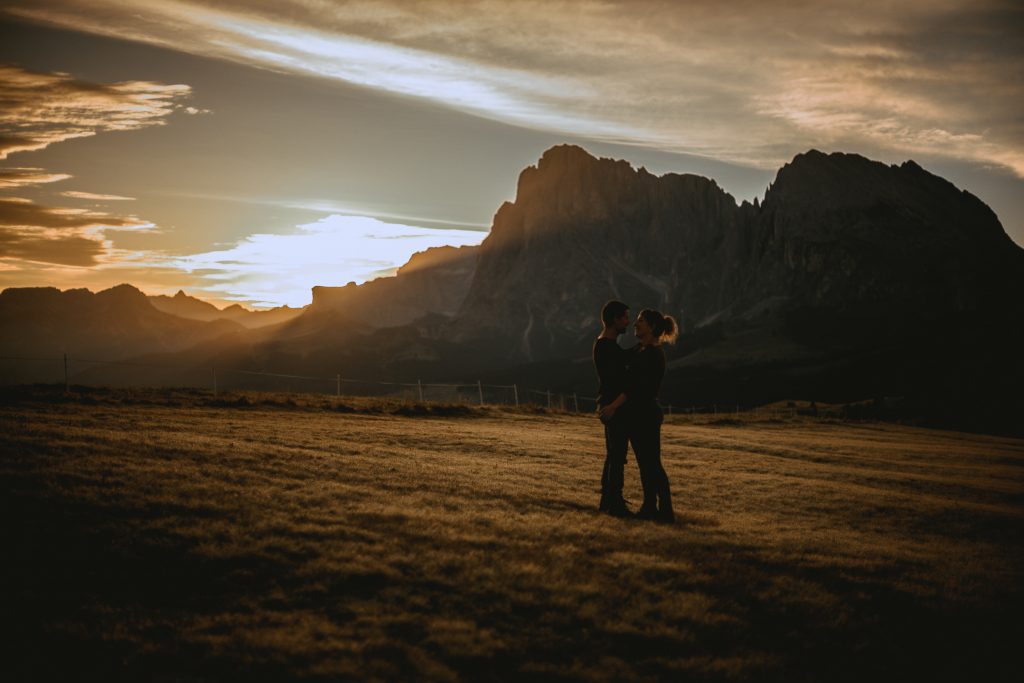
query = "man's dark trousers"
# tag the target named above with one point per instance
(616, 443)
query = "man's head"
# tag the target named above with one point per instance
(615, 315)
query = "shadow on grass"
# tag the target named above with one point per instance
(96, 591)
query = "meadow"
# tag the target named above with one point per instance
(173, 536)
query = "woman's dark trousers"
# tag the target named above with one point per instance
(646, 439)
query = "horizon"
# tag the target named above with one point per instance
(246, 153)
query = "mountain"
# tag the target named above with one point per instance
(837, 234)
(852, 279)
(185, 306)
(434, 281)
(112, 325)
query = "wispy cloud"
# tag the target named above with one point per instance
(277, 269)
(747, 82)
(97, 197)
(11, 178)
(41, 109)
(66, 236)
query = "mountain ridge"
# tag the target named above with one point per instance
(850, 279)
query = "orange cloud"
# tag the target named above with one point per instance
(44, 234)
(41, 109)
(26, 177)
(97, 197)
(23, 213)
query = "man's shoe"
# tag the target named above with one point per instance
(665, 517)
(619, 509)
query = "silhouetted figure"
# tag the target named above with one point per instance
(644, 416)
(610, 363)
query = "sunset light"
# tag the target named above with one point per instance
(512, 340)
(276, 269)
(322, 100)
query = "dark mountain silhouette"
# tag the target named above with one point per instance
(185, 306)
(836, 233)
(852, 279)
(112, 325)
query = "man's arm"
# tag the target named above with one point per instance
(607, 412)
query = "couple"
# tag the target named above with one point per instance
(627, 402)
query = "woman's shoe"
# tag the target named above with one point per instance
(665, 517)
(646, 512)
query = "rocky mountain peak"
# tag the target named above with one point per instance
(122, 295)
(898, 203)
(836, 231)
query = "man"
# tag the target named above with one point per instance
(610, 363)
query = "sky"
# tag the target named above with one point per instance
(247, 150)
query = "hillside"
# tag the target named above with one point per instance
(191, 308)
(116, 324)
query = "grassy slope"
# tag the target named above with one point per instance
(182, 541)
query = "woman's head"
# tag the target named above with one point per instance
(657, 327)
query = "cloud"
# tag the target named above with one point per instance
(11, 178)
(24, 213)
(97, 197)
(72, 250)
(282, 269)
(41, 109)
(746, 82)
(66, 236)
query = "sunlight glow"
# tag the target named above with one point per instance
(274, 270)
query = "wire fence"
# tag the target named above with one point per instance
(95, 372)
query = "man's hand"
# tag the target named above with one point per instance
(607, 412)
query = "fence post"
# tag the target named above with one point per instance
(549, 399)
(337, 388)
(67, 387)
(480, 388)
(215, 382)
(715, 408)
(515, 392)
(669, 408)
(419, 386)
(575, 403)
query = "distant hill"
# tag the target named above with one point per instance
(185, 306)
(112, 325)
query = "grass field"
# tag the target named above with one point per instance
(175, 537)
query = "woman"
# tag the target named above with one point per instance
(646, 370)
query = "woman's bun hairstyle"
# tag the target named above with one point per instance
(671, 330)
(664, 326)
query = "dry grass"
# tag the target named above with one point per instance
(163, 536)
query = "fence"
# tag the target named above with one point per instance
(84, 372)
